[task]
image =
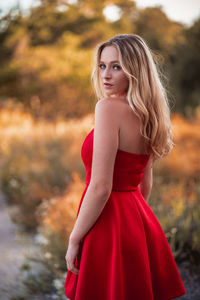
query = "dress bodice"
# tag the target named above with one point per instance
(128, 167)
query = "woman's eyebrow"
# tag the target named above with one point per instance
(114, 61)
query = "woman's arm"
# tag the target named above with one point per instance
(105, 145)
(147, 180)
(93, 203)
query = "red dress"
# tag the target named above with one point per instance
(125, 255)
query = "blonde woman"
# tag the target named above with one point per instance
(117, 249)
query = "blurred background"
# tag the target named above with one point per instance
(46, 110)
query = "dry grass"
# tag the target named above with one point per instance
(184, 158)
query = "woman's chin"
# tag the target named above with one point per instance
(109, 93)
(114, 95)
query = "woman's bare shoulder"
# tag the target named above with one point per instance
(113, 102)
(121, 109)
(108, 110)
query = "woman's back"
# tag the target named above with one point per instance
(130, 138)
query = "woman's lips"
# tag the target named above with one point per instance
(108, 85)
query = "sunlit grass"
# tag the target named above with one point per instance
(184, 158)
(38, 159)
(20, 125)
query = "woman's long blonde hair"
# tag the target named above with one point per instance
(146, 94)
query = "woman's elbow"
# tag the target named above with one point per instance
(145, 190)
(101, 189)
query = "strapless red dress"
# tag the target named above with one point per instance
(125, 255)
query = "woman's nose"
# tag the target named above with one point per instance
(107, 73)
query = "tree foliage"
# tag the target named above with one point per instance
(46, 56)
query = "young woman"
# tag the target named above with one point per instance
(117, 249)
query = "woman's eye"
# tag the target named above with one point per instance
(118, 67)
(100, 66)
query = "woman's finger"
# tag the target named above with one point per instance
(72, 268)
(75, 271)
(67, 265)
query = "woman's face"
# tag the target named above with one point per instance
(111, 73)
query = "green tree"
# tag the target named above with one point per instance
(185, 70)
(46, 56)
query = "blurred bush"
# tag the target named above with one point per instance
(175, 195)
(37, 161)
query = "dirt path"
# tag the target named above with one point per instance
(13, 247)
(191, 280)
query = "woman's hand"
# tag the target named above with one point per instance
(72, 252)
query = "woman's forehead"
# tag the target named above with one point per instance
(109, 52)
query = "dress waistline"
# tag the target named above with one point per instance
(127, 188)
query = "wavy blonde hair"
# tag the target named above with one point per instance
(146, 94)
